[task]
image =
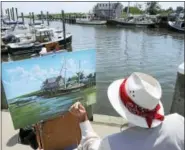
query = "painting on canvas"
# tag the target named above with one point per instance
(45, 87)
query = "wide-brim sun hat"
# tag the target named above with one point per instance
(137, 99)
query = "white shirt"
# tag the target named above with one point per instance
(167, 136)
(43, 51)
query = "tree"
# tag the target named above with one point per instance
(153, 8)
(80, 75)
(90, 75)
(133, 10)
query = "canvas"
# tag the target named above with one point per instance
(45, 87)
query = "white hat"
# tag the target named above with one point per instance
(136, 95)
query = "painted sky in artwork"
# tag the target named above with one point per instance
(26, 76)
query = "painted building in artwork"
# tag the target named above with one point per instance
(53, 83)
(108, 10)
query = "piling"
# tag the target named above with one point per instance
(64, 28)
(47, 18)
(42, 17)
(16, 13)
(13, 17)
(8, 11)
(22, 16)
(1, 12)
(30, 16)
(33, 17)
(178, 97)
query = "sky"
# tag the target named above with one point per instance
(56, 7)
(26, 76)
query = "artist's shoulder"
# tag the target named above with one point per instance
(174, 117)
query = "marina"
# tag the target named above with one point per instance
(122, 46)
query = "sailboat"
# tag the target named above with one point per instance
(178, 24)
(140, 21)
(59, 85)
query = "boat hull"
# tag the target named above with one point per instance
(91, 22)
(127, 24)
(24, 50)
(173, 28)
(37, 49)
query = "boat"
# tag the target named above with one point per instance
(57, 86)
(50, 38)
(11, 22)
(139, 21)
(23, 48)
(90, 20)
(176, 25)
(134, 21)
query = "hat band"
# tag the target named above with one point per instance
(149, 115)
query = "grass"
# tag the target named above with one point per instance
(44, 109)
(30, 94)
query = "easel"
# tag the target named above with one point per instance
(58, 133)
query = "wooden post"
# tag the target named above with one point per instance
(30, 16)
(10, 14)
(1, 12)
(33, 17)
(64, 29)
(178, 97)
(42, 17)
(8, 11)
(13, 16)
(17, 17)
(48, 18)
(22, 16)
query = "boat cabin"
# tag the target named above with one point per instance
(44, 35)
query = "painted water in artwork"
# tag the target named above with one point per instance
(45, 87)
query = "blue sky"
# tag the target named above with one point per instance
(22, 77)
(56, 7)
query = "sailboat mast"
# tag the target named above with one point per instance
(65, 73)
(128, 9)
(79, 72)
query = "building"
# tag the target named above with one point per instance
(54, 83)
(108, 10)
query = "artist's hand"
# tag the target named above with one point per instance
(79, 111)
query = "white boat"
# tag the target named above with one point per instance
(89, 20)
(176, 25)
(50, 38)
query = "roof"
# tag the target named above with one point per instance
(53, 79)
(107, 6)
(44, 29)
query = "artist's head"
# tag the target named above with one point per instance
(137, 99)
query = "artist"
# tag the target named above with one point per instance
(137, 99)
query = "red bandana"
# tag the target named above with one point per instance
(149, 115)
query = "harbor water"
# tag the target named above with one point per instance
(121, 51)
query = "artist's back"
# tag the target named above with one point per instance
(168, 136)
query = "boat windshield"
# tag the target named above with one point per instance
(44, 35)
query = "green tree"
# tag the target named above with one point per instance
(153, 8)
(80, 75)
(133, 10)
(90, 75)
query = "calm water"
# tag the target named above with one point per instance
(121, 51)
